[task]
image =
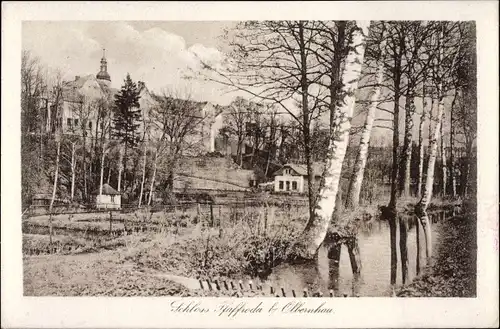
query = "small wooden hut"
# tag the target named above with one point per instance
(109, 199)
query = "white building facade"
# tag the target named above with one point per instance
(292, 178)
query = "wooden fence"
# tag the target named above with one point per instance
(241, 288)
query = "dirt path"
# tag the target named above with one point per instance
(97, 274)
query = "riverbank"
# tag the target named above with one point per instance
(453, 272)
(249, 244)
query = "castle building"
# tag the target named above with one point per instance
(78, 110)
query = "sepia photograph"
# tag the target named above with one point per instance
(251, 158)
(233, 161)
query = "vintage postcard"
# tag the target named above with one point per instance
(250, 164)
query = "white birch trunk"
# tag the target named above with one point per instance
(143, 174)
(429, 182)
(443, 165)
(356, 182)
(49, 116)
(73, 169)
(108, 179)
(85, 167)
(101, 182)
(421, 208)
(151, 187)
(453, 184)
(54, 190)
(452, 151)
(431, 120)
(407, 147)
(317, 226)
(420, 153)
(120, 169)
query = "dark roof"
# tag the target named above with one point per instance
(72, 89)
(301, 169)
(103, 75)
(107, 189)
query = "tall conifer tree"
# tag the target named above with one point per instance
(126, 119)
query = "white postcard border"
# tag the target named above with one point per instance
(58, 312)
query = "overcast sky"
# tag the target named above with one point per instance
(158, 53)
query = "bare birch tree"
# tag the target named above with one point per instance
(356, 181)
(153, 177)
(317, 225)
(441, 70)
(421, 146)
(71, 161)
(54, 188)
(416, 61)
(396, 49)
(452, 144)
(442, 151)
(104, 123)
(145, 141)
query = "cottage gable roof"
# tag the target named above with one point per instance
(301, 169)
(107, 189)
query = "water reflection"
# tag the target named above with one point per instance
(334, 266)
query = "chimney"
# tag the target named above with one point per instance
(77, 77)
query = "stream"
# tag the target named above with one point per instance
(375, 254)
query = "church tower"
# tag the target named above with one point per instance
(103, 75)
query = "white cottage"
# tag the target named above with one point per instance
(293, 177)
(109, 199)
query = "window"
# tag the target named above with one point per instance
(294, 185)
(76, 122)
(280, 185)
(90, 124)
(286, 171)
(287, 185)
(113, 198)
(69, 122)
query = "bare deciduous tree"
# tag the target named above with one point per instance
(177, 121)
(317, 225)
(355, 183)
(275, 62)
(441, 72)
